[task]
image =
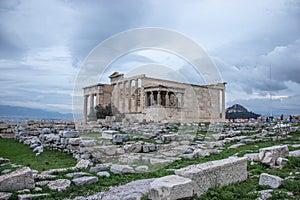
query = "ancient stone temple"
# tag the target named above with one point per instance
(142, 98)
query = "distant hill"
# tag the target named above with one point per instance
(239, 112)
(32, 113)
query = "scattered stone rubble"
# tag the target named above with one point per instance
(85, 180)
(132, 190)
(152, 143)
(171, 187)
(215, 173)
(270, 180)
(59, 185)
(7, 128)
(145, 145)
(188, 181)
(273, 155)
(17, 180)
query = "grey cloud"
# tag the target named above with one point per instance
(277, 26)
(244, 38)
(267, 85)
(98, 20)
(284, 62)
(11, 47)
(192, 75)
(124, 64)
(8, 5)
(287, 106)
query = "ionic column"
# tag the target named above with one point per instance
(219, 105)
(223, 105)
(158, 98)
(98, 99)
(136, 95)
(85, 104)
(142, 98)
(129, 96)
(118, 93)
(92, 101)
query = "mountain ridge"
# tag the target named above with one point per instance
(237, 111)
(24, 112)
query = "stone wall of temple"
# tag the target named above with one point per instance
(148, 99)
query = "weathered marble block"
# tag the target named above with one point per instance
(171, 188)
(270, 180)
(270, 155)
(109, 134)
(121, 169)
(215, 173)
(17, 180)
(70, 134)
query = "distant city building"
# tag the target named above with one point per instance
(140, 98)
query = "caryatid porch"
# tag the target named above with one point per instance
(171, 97)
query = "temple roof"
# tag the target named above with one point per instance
(115, 74)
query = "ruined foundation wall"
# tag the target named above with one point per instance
(215, 173)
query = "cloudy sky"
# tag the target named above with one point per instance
(44, 43)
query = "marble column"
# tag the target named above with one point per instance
(124, 96)
(118, 93)
(92, 101)
(143, 100)
(85, 104)
(223, 105)
(219, 104)
(129, 96)
(136, 94)
(98, 98)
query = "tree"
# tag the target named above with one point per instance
(101, 112)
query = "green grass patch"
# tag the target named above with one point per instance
(245, 190)
(248, 189)
(22, 155)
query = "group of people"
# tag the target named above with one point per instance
(290, 119)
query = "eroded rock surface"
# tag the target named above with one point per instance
(59, 185)
(270, 180)
(17, 180)
(270, 155)
(131, 191)
(216, 173)
(121, 169)
(85, 180)
(171, 187)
